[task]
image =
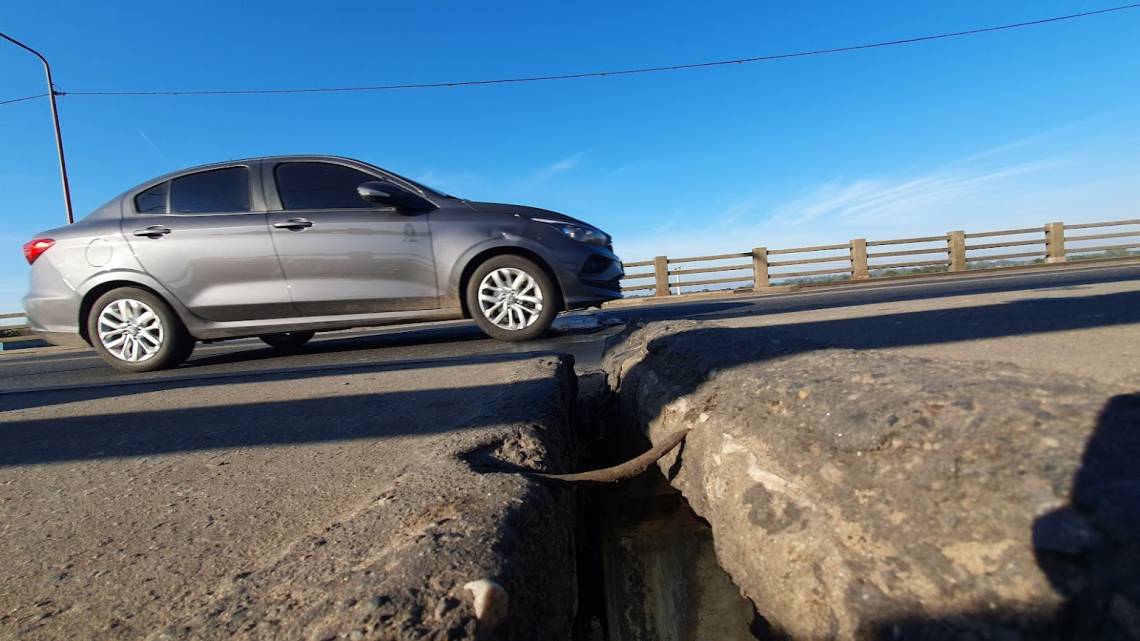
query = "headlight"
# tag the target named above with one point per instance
(579, 233)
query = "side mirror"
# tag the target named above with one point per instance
(382, 192)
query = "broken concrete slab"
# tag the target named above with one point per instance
(865, 495)
(303, 505)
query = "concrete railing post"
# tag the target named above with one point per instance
(661, 274)
(1055, 242)
(956, 247)
(859, 269)
(760, 269)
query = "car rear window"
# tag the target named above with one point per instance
(153, 200)
(319, 185)
(211, 192)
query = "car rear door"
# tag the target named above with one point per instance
(340, 254)
(201, 237)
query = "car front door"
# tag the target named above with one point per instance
(341, 254)
(199, 236)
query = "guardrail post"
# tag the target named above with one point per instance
(1055, 242)
(760, 269)
(661, 273)
(956, 247)
(859, 270)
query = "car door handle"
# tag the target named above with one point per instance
(294, 224)
(154, 231)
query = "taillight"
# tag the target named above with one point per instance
(33, 248)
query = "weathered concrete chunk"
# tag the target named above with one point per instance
(861, 495)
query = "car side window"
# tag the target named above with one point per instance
(153, 200)
(319, 185)
(216, 191)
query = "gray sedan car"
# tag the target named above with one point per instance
(283, 247)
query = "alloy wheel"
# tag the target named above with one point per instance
(510, 298)
(130, 330)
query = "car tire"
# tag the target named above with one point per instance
(287, 340)
(133, 330)
(512, 299)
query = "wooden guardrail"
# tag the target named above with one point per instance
(862, 259)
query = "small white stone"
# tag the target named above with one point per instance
(491, 603)
(704, 417)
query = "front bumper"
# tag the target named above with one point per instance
(595, 280)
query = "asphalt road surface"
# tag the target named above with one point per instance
(583, 334)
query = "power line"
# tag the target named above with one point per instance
(594, 74)
(14, 100)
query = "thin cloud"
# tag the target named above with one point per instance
(737, 211)
(446, 181)
(669, 225)
(874, 200)
(561, 166)
(154, 147)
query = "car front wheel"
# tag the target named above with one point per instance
(512, 299)
(135, 331)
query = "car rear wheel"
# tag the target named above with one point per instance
(286, 340)
(512, 299)
(135, 331)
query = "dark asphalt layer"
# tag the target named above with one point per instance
(461, 342)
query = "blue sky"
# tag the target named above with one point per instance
(1001, 130)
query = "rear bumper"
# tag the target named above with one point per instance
(52, 304)
(63, 339)
(54, 318)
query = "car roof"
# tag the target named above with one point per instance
(250, 161)
(243, 161)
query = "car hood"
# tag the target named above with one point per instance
(527, 212)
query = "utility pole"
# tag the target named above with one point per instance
(55, 119)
